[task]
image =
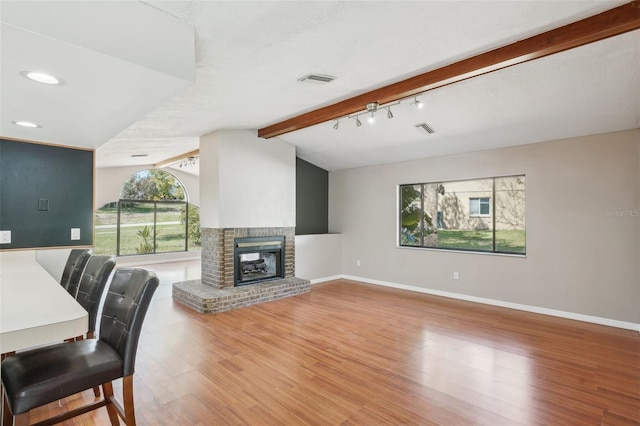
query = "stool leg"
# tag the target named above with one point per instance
(7, 418)
(21, 419)
(127, 395)
(107, 389)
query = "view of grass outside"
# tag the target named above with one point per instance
(135, 217)
(511, 241)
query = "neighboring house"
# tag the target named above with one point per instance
(469, 206)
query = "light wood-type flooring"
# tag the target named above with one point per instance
(355, 354)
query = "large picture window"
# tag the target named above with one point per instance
(483, 215)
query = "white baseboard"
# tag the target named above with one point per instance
(325, 279)
(500, 303)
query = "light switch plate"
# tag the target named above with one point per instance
(75, 233)
(5, 237)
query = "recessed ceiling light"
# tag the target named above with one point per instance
(41, 77)
(26, 124)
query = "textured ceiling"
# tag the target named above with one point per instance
(249, 56)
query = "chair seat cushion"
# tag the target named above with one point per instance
(43, 375)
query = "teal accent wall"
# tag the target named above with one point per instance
(312, 199)
(45, 190)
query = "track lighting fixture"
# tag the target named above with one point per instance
(189, 161)
(372, 107)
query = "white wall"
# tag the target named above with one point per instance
(109, 182)
(319, 257)
(580, 258)
(246, 181)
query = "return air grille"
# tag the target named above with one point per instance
(317, 78)
(425, 128)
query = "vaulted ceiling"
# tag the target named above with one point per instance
(247, 57)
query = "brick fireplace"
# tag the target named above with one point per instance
(217, 291)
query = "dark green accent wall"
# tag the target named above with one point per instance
(45, 191)
(312, 199)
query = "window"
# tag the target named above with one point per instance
(479, 206)
(151, 216)
(481, 215)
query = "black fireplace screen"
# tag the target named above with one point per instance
(258, 259)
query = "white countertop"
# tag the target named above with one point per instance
(34, 308)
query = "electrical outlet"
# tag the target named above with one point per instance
(75, 233)
(5, 237)
(357, 263)
(456, 276)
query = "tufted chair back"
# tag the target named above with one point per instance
(92, 284)
(123, 313)
(72, 272)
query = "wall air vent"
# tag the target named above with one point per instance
(425, 128)
(317, 78)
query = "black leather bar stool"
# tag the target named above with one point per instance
(43, 375)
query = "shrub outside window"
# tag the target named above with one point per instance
(482, 215)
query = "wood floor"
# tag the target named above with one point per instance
(356, 354)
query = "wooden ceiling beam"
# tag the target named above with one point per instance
(607, 24)
(177, 158)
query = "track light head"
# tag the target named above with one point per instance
(389, 113)
(417, 102)
(335, 126)
(358, 122)
(371, 118)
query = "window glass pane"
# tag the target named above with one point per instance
(462, 224)
(170, 230)
(474, 206)
(136, 228)
(484, 206)
(510, 215)
(411, 215)
(106, 234)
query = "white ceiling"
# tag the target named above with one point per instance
(249, 56)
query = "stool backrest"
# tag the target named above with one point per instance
(72, 272)
(92, 284)
(124, 309)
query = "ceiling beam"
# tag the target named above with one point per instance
(613, 22)
(177, 158)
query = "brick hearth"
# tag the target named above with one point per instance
(207, 299)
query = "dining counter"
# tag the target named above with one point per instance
(35, 309)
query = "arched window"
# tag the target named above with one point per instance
(153, 215)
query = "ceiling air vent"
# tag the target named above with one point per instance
(317, 78)
(425, 128)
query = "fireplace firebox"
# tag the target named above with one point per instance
(258, 259)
